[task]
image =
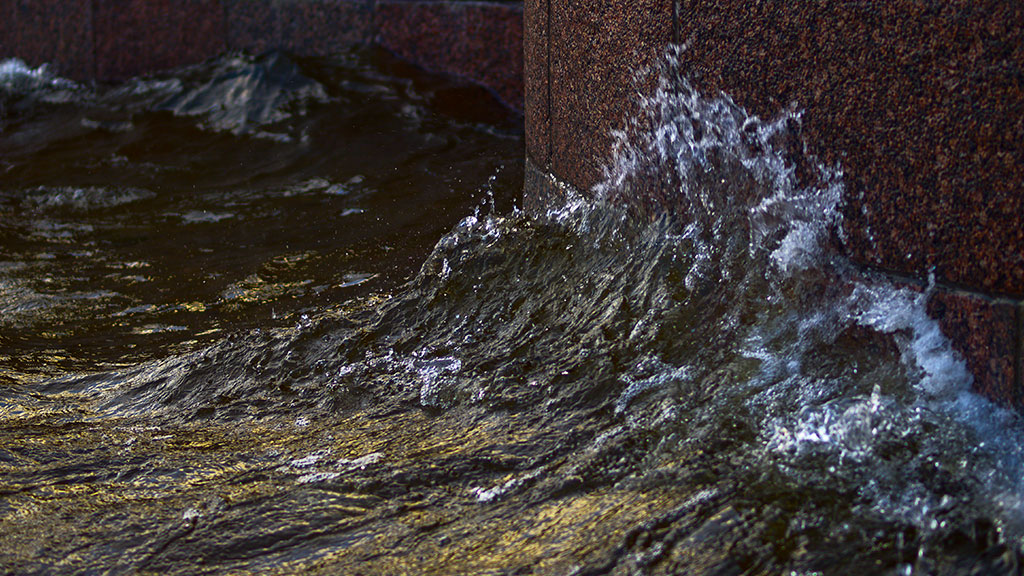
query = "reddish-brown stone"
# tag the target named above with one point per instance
(985, 332)
(252, 25)
(537, 81)
(324, 27)
(114, 39)
(6, 31)
(58, 32)
(596, 45)
(139, 36)
(482, 42)
(922, 104)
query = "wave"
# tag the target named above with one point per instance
(684, 347)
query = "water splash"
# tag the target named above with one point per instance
(693, 309)
(675, 372)
(722, 174)
(17, 77)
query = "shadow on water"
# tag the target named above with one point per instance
(171, 210)
(590, 390)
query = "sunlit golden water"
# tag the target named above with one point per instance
(276, 316)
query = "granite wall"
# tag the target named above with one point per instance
(114, 39)
(920, 101)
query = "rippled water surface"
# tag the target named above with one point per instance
(279, 316)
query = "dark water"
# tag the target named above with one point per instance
(281, 317)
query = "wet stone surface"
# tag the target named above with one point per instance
(596, 49)
(477, 41)
(50, 31)
(985, 332)
(579, 388)
(281, 315)
(134, 37)
(537, 81)
(919, 102)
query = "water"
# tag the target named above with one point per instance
(212, 364)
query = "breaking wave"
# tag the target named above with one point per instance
(675, 372)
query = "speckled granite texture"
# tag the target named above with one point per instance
(595, 48)
(984, 331)
(316, 28)
(7, 45)
(252, 25)
(137, 36)
(304, 27)
(113, 39)
(920, 101)
(58, 32)
(482, 42)
(544, 191)
(537, 82)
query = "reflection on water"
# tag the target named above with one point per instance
(224, 374)
(217, 198)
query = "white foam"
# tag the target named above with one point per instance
(15, 68)
(16, 75)
(790, 223)
(434, 374)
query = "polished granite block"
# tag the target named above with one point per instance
(543, 191)
(57, 32)
(115, 39)
(479, 41)
(596, 45)
(7, 47)
(985, 332)
(920, 103)
(323, 27)
(537, 81)
(252, 25)
(139, 36)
